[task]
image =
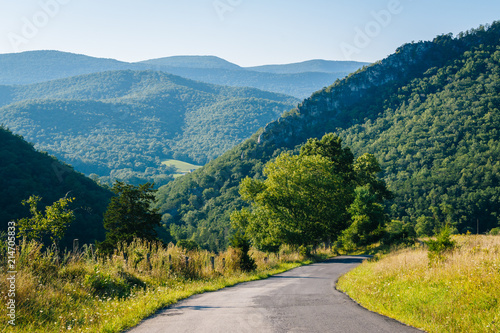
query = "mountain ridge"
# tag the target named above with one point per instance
(360, 99)
(40, 66)
(119, 123)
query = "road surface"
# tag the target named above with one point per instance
(303, 299)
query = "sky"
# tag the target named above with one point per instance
(245, 32)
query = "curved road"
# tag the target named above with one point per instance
(303, 299)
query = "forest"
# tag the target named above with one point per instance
(26, 172)
(429, 114)
(123, 124)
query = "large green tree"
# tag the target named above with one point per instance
(305, 198)
(294, 204)
(130, 215)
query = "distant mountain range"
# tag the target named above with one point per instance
(298, 80)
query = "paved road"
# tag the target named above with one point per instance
(303, 299)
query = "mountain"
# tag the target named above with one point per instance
(24, 172)
(40, 66)
(317, 65)
(429, 112)
(192, 62)
(122, 124)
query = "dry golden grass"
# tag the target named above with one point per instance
(84, 293)
(458, 294)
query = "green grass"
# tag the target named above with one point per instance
(458, 293)
(182, 167)
(83, 293)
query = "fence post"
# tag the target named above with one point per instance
(212, 262)
(187, 261)
(223, 263)
(75, 245)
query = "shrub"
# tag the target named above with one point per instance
(442, 244)
(495, 231)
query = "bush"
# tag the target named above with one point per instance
(398, 232)
(442, 244)
(495, 231)
(241, 242)
(188, 245)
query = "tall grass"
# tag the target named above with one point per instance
(82, 292)
(458, 293)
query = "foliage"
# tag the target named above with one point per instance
(129, 216)
(398, 232)
(368, 220)
(53, 223)
(428, 113)
(440, 245)
(187, 244)
(241, 242)
(299, 203)
(123, 124)
(305, 199)
(27, 173)
(494, 231)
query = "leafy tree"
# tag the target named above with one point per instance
(130, 215)
(52, 223)
(368, 219)
(301, 202)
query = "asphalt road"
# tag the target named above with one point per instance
(303, 299)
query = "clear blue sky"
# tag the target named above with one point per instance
(246, 32)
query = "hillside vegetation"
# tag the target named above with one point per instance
(26, 172)
(429, 113)
(457, 294)
(122, 124)
(80, 291)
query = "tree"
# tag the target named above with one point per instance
(130, 215)
(368, 219)
(53, 223)
(302, 202)
(310, 198)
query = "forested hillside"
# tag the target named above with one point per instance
(429, 113)
(25, 172)
(122, 124)
(298, 80)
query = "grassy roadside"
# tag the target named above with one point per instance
(83, 293)
(459, 293)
